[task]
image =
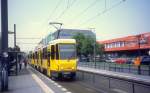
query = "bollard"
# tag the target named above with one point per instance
(115, 67)
(139, 70)
(133, 90)
(129, 68)
(149, 70)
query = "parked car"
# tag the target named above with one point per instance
(110, 59)
(145, 60)
(130, 61)
(121, 60)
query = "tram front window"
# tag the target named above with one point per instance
(67, 51)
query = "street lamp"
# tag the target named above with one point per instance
(94, 45)
(139, 52)
(58, 28)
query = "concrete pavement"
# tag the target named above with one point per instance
(31, 81)
(127, 76)
(23, 83)
(114, 82)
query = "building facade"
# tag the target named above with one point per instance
(128, 46)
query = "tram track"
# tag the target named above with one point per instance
(67, 85)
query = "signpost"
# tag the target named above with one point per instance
(4, 44)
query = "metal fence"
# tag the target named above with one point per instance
(112, 66)
(112, 84)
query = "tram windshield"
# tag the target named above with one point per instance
(67, 51)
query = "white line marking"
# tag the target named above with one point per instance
(44, 87)
(56, 84)
(63, 89)
(52, 81)
(49, 79)
(68, 92)
(59, 86)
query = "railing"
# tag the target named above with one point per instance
(112, 66)
(113, 83)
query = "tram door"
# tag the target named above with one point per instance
(52, 58)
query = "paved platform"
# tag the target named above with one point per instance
(32, 81)
(114, 82)
(23, 83)
(126, 76)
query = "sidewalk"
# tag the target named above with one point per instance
(23, 83)
(127, 76)
(32, 81)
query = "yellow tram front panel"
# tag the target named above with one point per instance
(54, 65)
(67, 65)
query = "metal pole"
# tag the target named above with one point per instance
(14, 35)
(139, 54)
(15, 49)
(4, 44)
(94, 46)
(4, 25)
(94, 51)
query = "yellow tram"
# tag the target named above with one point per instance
(57, 59)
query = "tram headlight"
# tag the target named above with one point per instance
(73, 68)
(61, 68)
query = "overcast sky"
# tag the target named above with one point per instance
(114, 19)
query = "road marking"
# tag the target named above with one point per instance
(44, 87)
(63, 89)
(52, 81)
(56, 84)
(68, 92)
(59, 86)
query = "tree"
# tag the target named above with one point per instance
(85, 45)
(79, 39)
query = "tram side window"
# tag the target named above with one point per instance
(33, 56)
(44, 53)
(30, 56)
(36, 55)
(52, 52)
(48, 57)
(48, 54)
(41, 55)
(57, 52)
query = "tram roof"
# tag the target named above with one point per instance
(62, 41)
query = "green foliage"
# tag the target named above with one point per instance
(85, 45)
(79, 39)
